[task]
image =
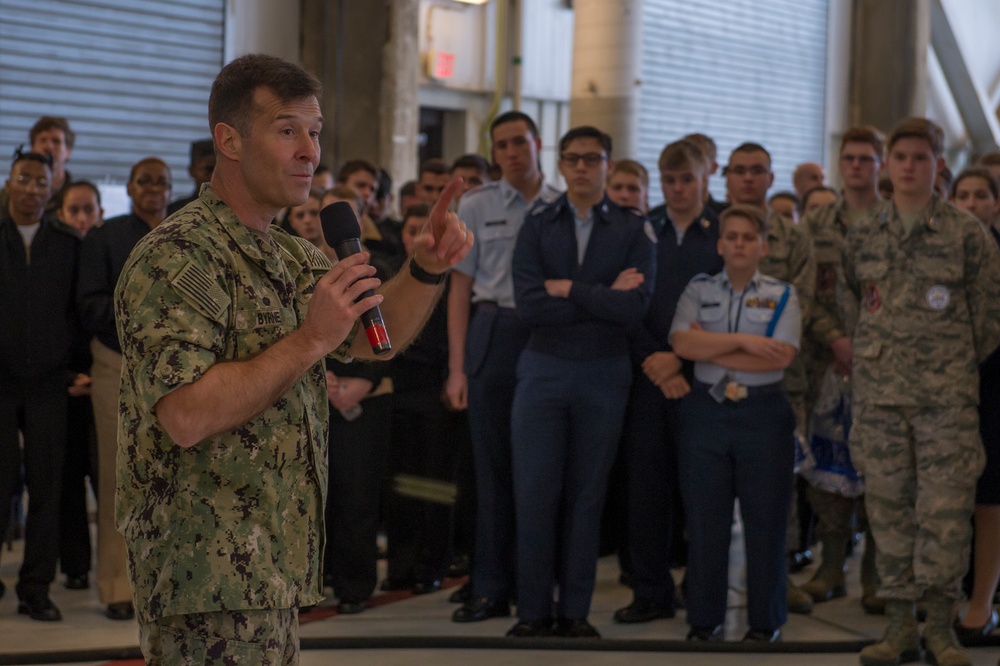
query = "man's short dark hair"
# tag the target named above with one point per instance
(434, 165)
(147, 160)
(409, 189)
(418, 210)
(353, 166)
(200, 149)
(471, 161)
(231, 100)
(919, 128)
(49, 123)
(513, 116)
(750, 147)
(586, 132)
(991, 158)
(384, 185)
(865, 134)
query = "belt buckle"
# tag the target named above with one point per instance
(736, 392)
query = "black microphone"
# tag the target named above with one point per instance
(342, 232)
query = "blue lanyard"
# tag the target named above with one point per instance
(729, 312)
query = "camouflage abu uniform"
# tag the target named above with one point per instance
(828, 226)
(789, 258)
(236, 521)
(924, 310)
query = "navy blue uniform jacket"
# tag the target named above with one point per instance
(594, 320)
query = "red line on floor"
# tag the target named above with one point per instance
(325, 612)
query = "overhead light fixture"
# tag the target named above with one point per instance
(473, 2)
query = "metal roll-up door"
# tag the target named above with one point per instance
(131, 76)
(737, 70)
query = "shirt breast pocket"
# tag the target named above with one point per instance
(759, 315)
(872, 270)
(711, 313)
(258, 329)
(497, 231)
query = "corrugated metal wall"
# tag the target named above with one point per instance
(737, 70)
(132, 77)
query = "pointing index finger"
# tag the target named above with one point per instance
(439, 214)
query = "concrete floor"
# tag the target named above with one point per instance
(417, 630)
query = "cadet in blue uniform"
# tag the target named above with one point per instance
(736, 432)
(483, 352)
(688, 235)
(583, 272)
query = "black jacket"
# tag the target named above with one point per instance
(40, 334)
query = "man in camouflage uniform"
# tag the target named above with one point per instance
(789, 259)
(921, 298)
(224, 322)
(826, 344)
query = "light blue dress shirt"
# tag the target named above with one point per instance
(711, 301)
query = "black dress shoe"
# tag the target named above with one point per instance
(477, 610)
(763, 636)
(77, 582)
(395, 584)
(976, 636)
(460, 566)
(425, 587)
(642, 610)
(531, 629)
(351, 607)
(39, 608)
(3, 588)
(461, 595)
(578, 628)
(706, 634)
(799, 560)
(120, 611)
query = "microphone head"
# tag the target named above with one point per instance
(339, 223)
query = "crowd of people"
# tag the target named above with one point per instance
(590, 376)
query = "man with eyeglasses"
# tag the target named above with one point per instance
(583, 271)
(37, 281)
(789, 259)
(825, 343)
(102, 259)
(483, 350)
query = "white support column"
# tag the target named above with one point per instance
(607, 42)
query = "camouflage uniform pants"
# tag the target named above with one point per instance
(232, 638)
(920, 467)
(834, 514)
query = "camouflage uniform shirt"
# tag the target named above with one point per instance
(235, 521)
(927, 306)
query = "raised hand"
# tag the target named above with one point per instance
(444, 240)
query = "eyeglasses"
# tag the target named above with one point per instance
(742, 171)
(589, 159)
(149, 182)
(25, 181)
(860, 159)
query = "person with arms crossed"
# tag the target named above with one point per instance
(583, 272)
(741, 328)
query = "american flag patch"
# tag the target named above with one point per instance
(201, 291)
